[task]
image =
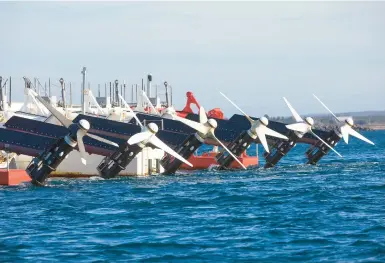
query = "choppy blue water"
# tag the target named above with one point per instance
(333, 212)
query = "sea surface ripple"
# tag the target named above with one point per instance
(332, 212)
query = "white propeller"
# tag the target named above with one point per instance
(83, 127)
(205, 128)
(149, 103)
(133, 113)
(304, 126)
(259, 127)
(147, 135)
(346, 127)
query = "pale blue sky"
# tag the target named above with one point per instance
(255, 52)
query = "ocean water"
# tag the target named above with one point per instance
(333, 212)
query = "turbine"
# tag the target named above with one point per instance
(205, 128)
(346, 126)
(147, 136)
(304, 126)
(259, 127)
(78, 130)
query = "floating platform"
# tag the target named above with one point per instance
(13, 177)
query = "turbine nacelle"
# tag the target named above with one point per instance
(310, 121)
(84, 125)
(264, 121)
(349, 121)
(152, 127)
(212, 123)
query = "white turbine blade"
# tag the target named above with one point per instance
(123, 101)
(202, 115)
(345, 133)
(149, 102)
(161, 145)
(102, 139)
(79, 138)
(261, 133)
(131, 111)
(224, 147)
(195, 125)
(327, 108)
(273, 133)
(300, 127)
(293, 111)
(319, 138)
(61, 118)
(236, 106)
(139, 137)
(358, 136)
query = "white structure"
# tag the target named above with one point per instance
(145, 163)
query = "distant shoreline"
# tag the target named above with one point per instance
(378, 127)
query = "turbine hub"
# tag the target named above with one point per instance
(153, 127)
(309, 120)
(350, 121)
(213, 123)
(84, 125)
(264, 121)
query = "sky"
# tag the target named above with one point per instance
(254, 52)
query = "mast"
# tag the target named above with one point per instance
(132, 93)
(165, 86)
(116, 98)
(1, 95)
(63, 94)
(149, 80)
(110, 92)
(70, 94)
(83, 89)
(124, 88)
(10, 91)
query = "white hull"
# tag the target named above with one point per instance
(73, 166)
